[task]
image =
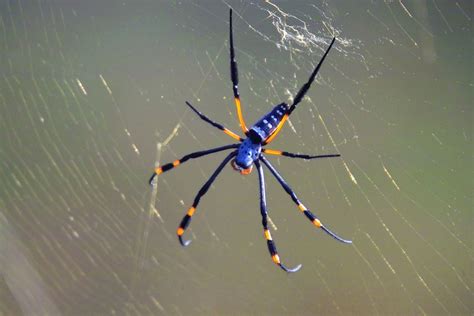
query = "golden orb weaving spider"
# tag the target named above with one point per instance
(250, 151)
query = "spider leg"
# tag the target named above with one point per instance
(234, 76)
(302, 208)
(299, 96)
(197, 154)
(263, 209)
(292, 155)
(187, 218)
(217, 125)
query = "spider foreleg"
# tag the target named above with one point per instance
(263, 209)
(293, 155)
(316, 222)
(187, 218)
(166, 167)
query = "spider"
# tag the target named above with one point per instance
(250, 151)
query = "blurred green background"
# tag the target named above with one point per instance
(88, 89)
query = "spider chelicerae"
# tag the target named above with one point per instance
(250, 151)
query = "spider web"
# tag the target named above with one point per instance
(92, 97)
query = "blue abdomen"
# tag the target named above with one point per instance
(268, 123)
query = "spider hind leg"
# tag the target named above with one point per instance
(234, 77)
(217, 125)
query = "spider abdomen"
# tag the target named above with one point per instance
(264, 127)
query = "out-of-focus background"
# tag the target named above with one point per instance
(89, 89)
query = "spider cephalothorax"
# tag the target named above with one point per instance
(247, 153)
(250, 151)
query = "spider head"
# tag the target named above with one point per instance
(243, 171)
(247, 153)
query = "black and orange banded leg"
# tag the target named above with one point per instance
(163, 168)
(187, 218)
(300, 95)
(292, 155)
(217, 125)
(263, 209)
(234, 76)
(316, 222)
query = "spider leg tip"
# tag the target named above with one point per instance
(184, 243)
(152, 179)
(291, 270)
(345, 241)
